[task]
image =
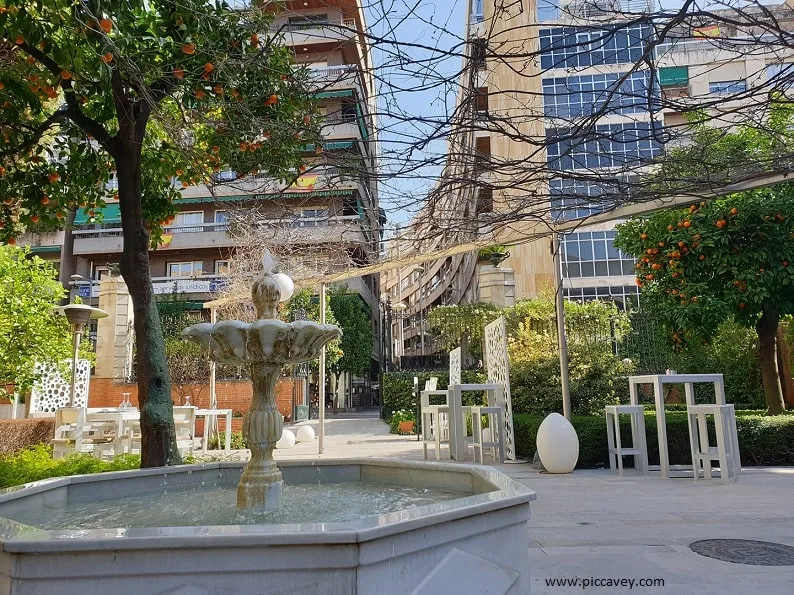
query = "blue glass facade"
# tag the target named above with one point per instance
(578, 47)
(584, 95)
(604, 146)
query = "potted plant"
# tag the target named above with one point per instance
(402, 422)
(496, 255)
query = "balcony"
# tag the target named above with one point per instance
(313, 230)
(315, 32)
(337, 78)
(208, 284)
(175, 237)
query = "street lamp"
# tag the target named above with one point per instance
(78, 316)
(399, 314)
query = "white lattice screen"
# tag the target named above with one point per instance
(454, 366)
(497, 367)
(51, 390)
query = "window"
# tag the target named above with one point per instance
(477, 11)
(221, 267)
(188, 222)
(625, 297)
(221, 219)
(481, 100)
(780, 76)
(571, 47)
(548, 10)
(479, 50)
(185, 269)
(593, 254)
(605, 145)
(577, 96)
(727, 87)
(484, 201)
(311, 21)
(574, 199)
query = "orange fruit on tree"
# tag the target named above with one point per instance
(30, 60)
(734, 210)
(643, 236)
(273, 99)
(53, 177)
(215, 148)
(721, 223)
(189, 49)
(254, 39)
(19, 40)
(243, 146)
(687, 224)
(2, 85)
(669, 228)
(45, 200)
(306, 119)
(200, 93)
(107, 25)
(179, 73)
(107, 58)
(35, 218)
(59, 215)
(218, 89)
(209, 67)
(7, 201)
(302, 168)
(66, 75)
(702, 257)
(11, 241)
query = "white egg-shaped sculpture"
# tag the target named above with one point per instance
(305, 434)
(287, 439)
(558, 444)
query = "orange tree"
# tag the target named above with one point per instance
(158, 93)
(732, 257)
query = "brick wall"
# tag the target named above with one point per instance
(231, 395)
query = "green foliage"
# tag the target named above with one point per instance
(732, 257)
(36, 462)
(355, 320)
(237, 441)
(762, 440)
(30, 329)
(398, 388)
(308, 304)
(400, 416)
(448, 324)
(199, 84)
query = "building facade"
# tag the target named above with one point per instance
(330, 209)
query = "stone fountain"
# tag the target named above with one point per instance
(264, 347)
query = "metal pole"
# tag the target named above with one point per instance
(422, 329)
(77, 332)
(211, 425)
(561, 338)
(321, 378)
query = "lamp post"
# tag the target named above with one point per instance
(78, 316)
(398, 311)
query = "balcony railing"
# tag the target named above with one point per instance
(104, 232)
(203, 284)
(312, 25)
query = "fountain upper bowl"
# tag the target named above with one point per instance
(268, 342)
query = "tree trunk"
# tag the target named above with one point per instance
(68, 264)
(158, 440)
(784, 367)
(766, 327)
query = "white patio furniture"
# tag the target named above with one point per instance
(688, 380)
(51, 389)
(185, 428)
(115, 423)
(73, 434)
(497, 389)
(210, 416)
(639, 446)
(490, 439)
(435, 417)
(725, 450)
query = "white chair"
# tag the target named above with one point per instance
(495, 432)
(726, 450)
(185, 428)
(435, 417)
(639, 446)
(74, 435)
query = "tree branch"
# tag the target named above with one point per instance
(73, 111)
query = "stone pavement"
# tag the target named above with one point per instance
(592, 524)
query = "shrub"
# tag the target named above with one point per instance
(18, 434)
(36, 462)
(398, 388)
(763, 440)
(219, 440)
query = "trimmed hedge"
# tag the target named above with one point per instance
(18, 434)
(398, 388)
(763, 440)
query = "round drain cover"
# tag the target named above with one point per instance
(745, 551)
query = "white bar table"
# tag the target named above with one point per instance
(209, 415)
(658, 381)
(117, 416)
(457, 417)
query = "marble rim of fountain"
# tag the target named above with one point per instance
(264, 341)
(503, 493)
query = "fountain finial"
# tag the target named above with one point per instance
(266, 291)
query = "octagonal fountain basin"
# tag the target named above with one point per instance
(349, 526)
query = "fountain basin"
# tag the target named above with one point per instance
(466, 544)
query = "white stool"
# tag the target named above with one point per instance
(639, 447)
(496, 426)
(726, 450)
(435, 419)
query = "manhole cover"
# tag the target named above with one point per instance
(745, 551)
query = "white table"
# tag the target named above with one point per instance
(457, 417)
(211, 415)
(118, 417)
(658, 381)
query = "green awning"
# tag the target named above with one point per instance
(330, 94)
(316, 194)
(205, 199)
(332, 146)
(44, 249)
(110, 214)
(674, 76)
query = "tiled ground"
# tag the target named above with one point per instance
(592, 524)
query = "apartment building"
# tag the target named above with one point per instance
(588, 68)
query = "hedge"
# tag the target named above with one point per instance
(763, 440)
(18, 434)
(398, 388)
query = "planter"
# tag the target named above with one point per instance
(406, 427)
